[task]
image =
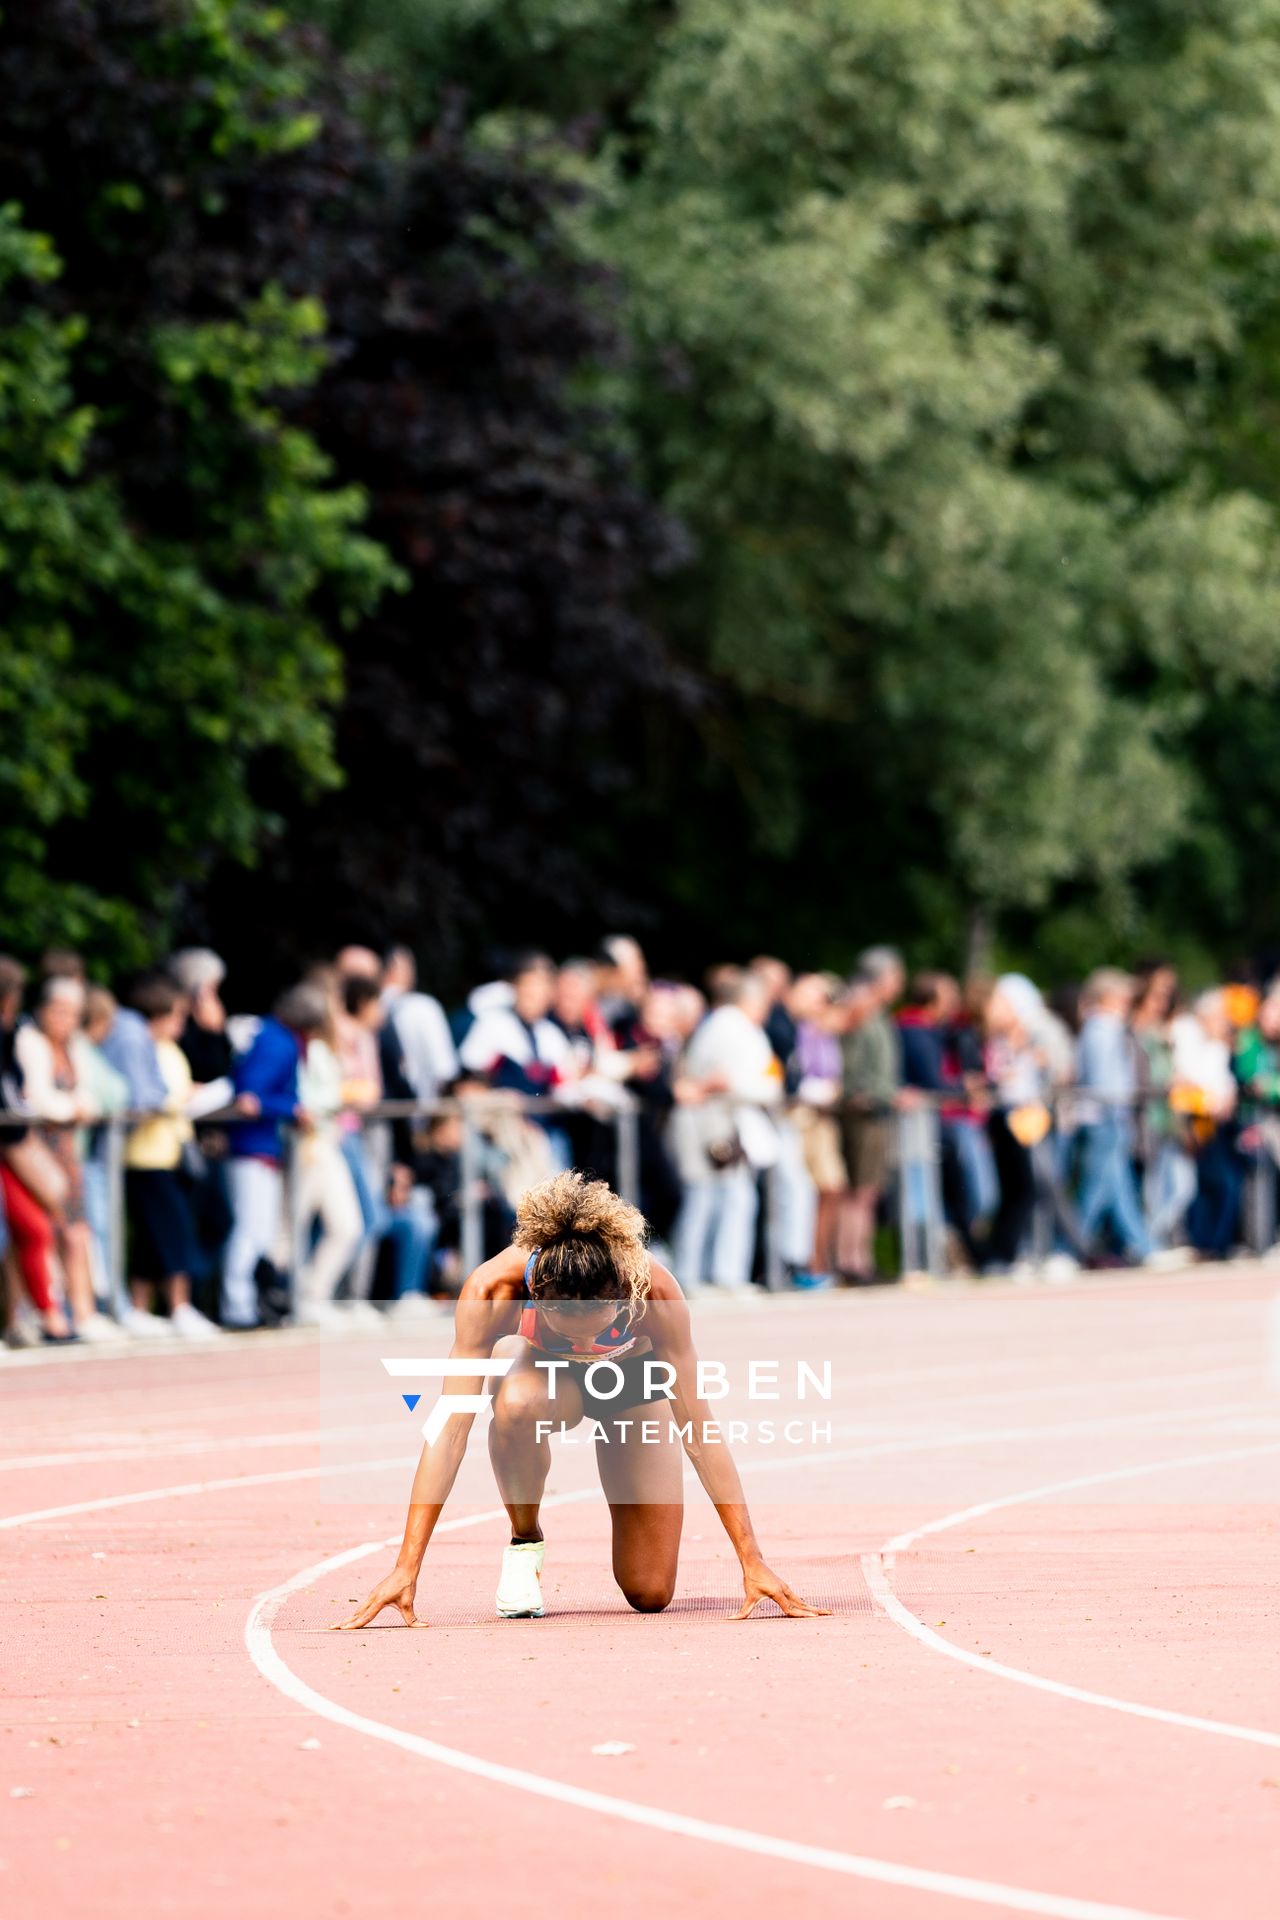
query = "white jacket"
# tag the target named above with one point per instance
(35, 1057)
(730, 1045)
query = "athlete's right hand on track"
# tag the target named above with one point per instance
(397, 1590)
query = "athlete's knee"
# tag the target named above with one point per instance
(519, 1407)
(648, 1596)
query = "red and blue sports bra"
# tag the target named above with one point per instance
(617, 1338)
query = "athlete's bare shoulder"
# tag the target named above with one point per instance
(663, 1284)
(496, 1279)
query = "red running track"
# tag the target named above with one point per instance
(1046, 1525)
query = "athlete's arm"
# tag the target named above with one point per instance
(477, 1324)
(671, 1332)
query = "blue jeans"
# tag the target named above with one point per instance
(411, 1233)
(1108, 1189)
(968, 1141)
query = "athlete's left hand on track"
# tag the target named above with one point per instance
(761, 1584)
(397, 1590)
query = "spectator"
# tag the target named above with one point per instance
(207, 1044)
(723, 1137)
(57, 1078)
(926, 1029)
(421, 1027)
(127, 1046)
(1256, 1059)
(1169, 1173)
(438, 1167)
(326, 1200)
(266, 1083)
(163, 1243)
(1107, 1069)
(964, 1116)
(649, 1056)
(576, 1012)
(1204, 1088)
(33, 1188)
(384, 1187)
(109, 1094)
(62, 963)
(519, 1048)
(872, 1076)
(359, 963)
(1020, 1118)
(778, 1023)
(1257, 1068)
(200, 974)
(622, 980)
(815, 1006)
(795, 1198)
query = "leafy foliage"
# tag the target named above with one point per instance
(177, 558)
(949, 327)
(293, 332)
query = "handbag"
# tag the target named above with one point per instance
(32, 1162)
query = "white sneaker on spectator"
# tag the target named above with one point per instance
(360, 1313)
(1165, 1259)
(1060, 1268)
(144, 1325)
(100, 1331)
(24, 1330)
(414, 1306)
(190, 1324)
(319, 1313)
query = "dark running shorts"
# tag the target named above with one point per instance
(633, 1392)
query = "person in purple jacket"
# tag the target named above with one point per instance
(266, 1082)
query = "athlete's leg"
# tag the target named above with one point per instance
(521, 1461)
(643, 1482)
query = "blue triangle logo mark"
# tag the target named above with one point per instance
(411, 1400)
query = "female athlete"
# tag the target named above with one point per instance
(578, 1286)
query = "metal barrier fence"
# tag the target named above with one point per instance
(917, 1180)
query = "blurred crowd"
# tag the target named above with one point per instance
(168, 1170)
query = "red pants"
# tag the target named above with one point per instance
(31, 1231)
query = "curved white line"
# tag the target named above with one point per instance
(271, 1666)
(874, 1570)
(258, 1640)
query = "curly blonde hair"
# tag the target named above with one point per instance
(592, 1242)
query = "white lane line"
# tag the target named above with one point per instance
(101, 1445)
(406, 1460)
(162, 1444)
(920, 1443)
(992, 1893)
(164, 1447)
(874, 1572)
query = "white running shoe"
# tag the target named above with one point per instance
(146, 1326)
(99, 1331)
(190, 1324)
(519, 1595)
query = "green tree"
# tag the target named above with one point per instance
(947, 317)
(314, 363)
(176, 561)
